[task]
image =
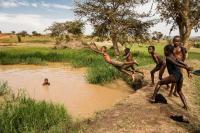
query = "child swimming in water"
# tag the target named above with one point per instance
(46, 82)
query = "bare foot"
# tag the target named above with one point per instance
(185, 107)
(152, 100)
(151, 85)
(175, 94)
(170, 95)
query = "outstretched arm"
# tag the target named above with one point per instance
(95, 49)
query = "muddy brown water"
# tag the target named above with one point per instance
(68, 87)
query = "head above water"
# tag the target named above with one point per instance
(151, 49)
(168, 49)
(127, 50)
(177, 41)
(103, 49)
(46, 80)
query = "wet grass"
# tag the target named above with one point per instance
(3, 88)
(98, 70)
(23, 114)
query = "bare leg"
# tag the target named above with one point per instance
(164, 81)
(175, 91)
(168, 86)
(139, 72)
(152, 77)
(179, 90)
(171, 90)
(131, 74)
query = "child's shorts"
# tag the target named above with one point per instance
(178, 76)
(117, 63)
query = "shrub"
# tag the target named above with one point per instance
(27, 115)
(197, 45)
(3, 88)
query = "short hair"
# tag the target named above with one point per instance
(127, 49)
(169, 48)
(153, 47)
(104, 47)
(176, 37)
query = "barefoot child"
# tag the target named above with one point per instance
(175, 75)
(160, 64)
(180, 54)
(119, 65)
(129, 58)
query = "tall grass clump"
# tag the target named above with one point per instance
(197, 90)
(102, 74)
(24, 115)
(4, 88)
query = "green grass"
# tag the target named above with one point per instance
(23, 114)
(27, 39)
(197, 90)
(4, 88)
(98, 70)
(143, 49)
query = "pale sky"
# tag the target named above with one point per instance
(36, 15)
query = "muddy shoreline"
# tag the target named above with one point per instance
(68, 87)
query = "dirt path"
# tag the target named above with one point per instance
(136, 115)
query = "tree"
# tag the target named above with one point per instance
(184, 14)
(157, 36)
(113, 17)
(60, 31)
(56, 29)
(22, 33)
(75, 27)
(0, 32)
(35, 33)
(13, 32)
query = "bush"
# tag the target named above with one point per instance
(4, 88)
(27, 115)
(102, 74)
(197, 45)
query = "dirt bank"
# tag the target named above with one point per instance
(136, 115)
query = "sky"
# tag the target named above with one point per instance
(37, 15)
